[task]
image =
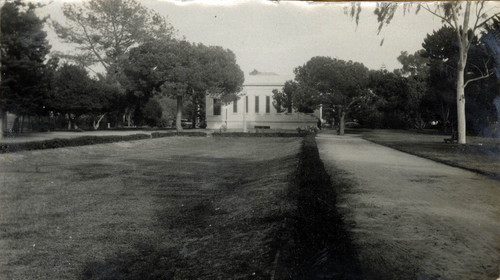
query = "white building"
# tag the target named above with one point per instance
(254, 108)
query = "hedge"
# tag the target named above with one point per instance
(260, 134)
(67, 142)
(170, 134)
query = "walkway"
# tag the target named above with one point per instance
(413, 218)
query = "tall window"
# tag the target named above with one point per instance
(256, 104)
(235, 105)
(217, 107)
(268, 104)
(246, 104)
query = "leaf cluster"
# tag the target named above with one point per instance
(74, 92)
(335, 81)
(105, 30)
(180, 68)
(23, 47)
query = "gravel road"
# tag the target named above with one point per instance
(412, 218)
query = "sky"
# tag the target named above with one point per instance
(280, 36)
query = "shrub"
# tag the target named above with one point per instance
(260, 134)
(308, 130)
(174, 133)
(152, 113)
(71, 142)
(163, 123)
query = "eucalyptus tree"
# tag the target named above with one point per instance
(466, 18)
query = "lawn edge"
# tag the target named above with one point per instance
(11, 147)
(449, 163)
(316, 228)
(87, 140)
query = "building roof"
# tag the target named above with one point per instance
(267, 79)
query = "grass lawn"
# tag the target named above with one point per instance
(168, 208)
(479, 154)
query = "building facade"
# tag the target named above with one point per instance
(254, 109)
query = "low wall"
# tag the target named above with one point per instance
(275, 121)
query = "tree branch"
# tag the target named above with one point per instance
(92, 47)
(426, 7)
(478, 78)
(483, 76)
(488, 19)
(478, 14)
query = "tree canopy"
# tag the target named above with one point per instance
(283, 99)
(330, 82)
(180, 70)
(105, 30)
(23, 46)
(73, 92)
(465, 18)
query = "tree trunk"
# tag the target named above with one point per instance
(2, 118)
(69, 121)
(289, 105)
(195, 113)
(445, 116)
(463, 49)
(97, 123)
(22, 124)
(178, 124)
(129, 118)
(461, 122)
(342, 123)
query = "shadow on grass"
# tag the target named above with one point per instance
(319, 246)
(147, 262)
(218, 223)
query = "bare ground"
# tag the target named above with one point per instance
(412, 218)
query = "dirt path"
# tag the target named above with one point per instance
(413, 218)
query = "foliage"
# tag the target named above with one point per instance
(465, 21)
(334, 83)
(179, 69)
(168, 106)
(442, 50)
(171, 134)
(23, 46)
(307, 130)
(366, 109)
(152, 112)
(259, 134)
(283, 100)
(72, 91)
(337, 81)
(71, 142)
(413, 64)
(306, 99)
(105, 30)
(491, 40)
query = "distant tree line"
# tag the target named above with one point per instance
(145, 68)
(419, 95)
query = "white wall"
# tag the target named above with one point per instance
(273, 119)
